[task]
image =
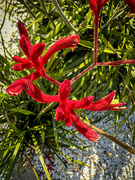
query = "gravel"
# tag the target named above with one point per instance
(105, 160)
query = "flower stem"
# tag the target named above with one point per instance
(49, 78)
(96, 23)
(82, 73)
(115, 63)
(123, 145)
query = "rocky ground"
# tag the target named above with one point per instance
(105, 160)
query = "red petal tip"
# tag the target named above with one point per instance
(22, 29)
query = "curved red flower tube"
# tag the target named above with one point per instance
(33, 60)
(66, 109)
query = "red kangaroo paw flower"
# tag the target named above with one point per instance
(85, 130)
(63, 43)
(115, 107)
(33, 52)
(36, 51)
(131, 4)
(16, 87)
(65, 110)
(38, 95)
(96, 6)
(23, 43)
(105, 104)
(22, 66)
(63, 113)
(108, 99)
(64, 90)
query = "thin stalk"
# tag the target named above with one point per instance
(79, 170)
(58, 8)
(2, 41)
(46, 13)
(4, 17)
(52, 80)
(82, 73)
(96, 23)
(115, 63)
(49, 78)
(123, 145)
(116, 14)
(31, 12)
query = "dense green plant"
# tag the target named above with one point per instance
(31, 125)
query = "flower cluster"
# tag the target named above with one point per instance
(34, 60)
(66, 108)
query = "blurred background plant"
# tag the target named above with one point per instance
(30, 127)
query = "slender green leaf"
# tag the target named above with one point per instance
(57, 6)
(22, 111)
(13, 127)
(40, 156)
(14, 158)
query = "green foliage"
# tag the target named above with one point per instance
(32, 125)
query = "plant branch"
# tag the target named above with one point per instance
(116, 14)
(79, 170)
(4, 17)
(123, 145)
(82, 73)
(115, 63)
(49, 78)
(96, 22)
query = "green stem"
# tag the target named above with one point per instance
(57, 6)
(46, 13)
